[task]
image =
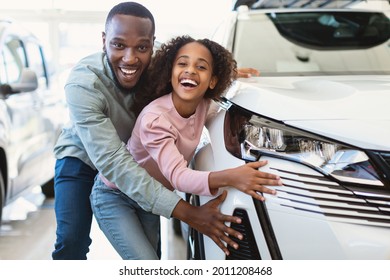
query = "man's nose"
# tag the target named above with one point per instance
(129, 56)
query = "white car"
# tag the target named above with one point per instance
(319, 113)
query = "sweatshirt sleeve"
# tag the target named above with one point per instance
(158, 138)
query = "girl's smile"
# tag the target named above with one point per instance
(192, 76)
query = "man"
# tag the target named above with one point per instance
(100, 92)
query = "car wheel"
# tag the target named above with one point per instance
(2, 192)
(195, 243)
(48, 189)
(176, 224)
(194, 240)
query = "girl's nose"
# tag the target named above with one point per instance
(190, 70)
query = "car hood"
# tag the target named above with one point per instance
(353, 110)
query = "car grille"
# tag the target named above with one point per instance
(247, 246)
(313, 192)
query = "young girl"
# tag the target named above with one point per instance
(185, 75)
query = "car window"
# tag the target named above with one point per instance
(13, 60)
(3, 71)
(333, 30)
(36, 62)
(290, 44)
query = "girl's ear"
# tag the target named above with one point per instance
(213, 82)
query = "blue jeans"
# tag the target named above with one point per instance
(72, 186)
(133, 232)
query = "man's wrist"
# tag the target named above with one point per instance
(183, 211)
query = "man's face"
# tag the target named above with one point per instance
(128, 42)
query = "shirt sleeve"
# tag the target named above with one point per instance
(109, 154)
(158, 138)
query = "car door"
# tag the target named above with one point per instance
(50, 100)
(23, 109)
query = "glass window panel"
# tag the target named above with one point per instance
(14, 59)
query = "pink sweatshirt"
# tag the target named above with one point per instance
(163, 142)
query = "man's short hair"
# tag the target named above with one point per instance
(131, 9)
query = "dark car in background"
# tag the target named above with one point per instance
(32, 113)
(319, 114)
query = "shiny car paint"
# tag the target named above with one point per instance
(315, 214)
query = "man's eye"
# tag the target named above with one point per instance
(117, 45)
(143, 48)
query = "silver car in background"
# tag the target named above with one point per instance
(32, 114)
(319, 113)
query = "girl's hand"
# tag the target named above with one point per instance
(248, 179)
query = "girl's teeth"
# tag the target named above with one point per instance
(188, 81)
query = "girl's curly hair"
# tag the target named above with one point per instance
(158, 78)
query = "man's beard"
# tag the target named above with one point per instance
(116, 81)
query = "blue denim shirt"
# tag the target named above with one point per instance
(101, 122)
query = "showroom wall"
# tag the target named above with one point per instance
(71, 29)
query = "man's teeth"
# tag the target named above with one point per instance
(188, 81)
(128, 71)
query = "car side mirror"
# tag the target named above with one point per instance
(28, 81)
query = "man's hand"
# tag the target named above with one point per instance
(247, 72)
(208, 220)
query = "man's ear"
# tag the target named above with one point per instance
(104, 41)
(213, 82)
(154, 41)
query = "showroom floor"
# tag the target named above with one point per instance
(28, 233)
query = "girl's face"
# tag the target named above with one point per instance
(192, 75)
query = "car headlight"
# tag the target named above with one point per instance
(248, 136)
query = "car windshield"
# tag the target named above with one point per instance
(333, 30)
(314, 42)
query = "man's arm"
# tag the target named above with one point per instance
(110, 156)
